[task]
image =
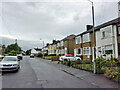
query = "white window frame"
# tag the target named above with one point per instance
(65, 51)
(111, 48)
(79, 37)
(61, 51)
(89, 48)
(61, 43)
(88, 37)
(58, 44)
(105, 30)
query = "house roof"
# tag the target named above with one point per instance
(112, 22)
(69, 37)
(37, 49)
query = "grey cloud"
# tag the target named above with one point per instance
(32, 21)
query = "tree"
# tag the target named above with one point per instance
(12, 53)
(28, 52)
(14, 47)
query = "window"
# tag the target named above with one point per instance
(103, 34)
(58, 44)
(65, 51)
(57, 51)
(86, 50)
(108, 49)
(79, 51)
(99, 49)
(118, 30)
(106, 32)
(86, 37)
(62, 51)
(61, 43)
(78, 40)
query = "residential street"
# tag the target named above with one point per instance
(38, 73)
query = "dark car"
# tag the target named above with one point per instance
(19, 56)
(32, 56)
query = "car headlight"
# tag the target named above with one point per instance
(15, 64)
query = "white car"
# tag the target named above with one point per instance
(1, 57)
(69, 58)
(10, 63)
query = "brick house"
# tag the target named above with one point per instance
(66, 45)
(83, 46)
(52, 48)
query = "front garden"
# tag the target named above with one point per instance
(110, 68)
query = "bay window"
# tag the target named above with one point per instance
(108, 49)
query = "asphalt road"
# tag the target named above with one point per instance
(37, 73)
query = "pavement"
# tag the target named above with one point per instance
(98, 80)
(40, 73)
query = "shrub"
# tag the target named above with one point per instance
(85, 62)
(113, 73)
(100, 62)
(112, 62)
(40, 55)
(12, 53)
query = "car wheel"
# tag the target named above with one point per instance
(18, 69)
(65, 60)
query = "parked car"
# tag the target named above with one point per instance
(19, 56)
(69, 57)
(10, 63)
(31, 55)
(1, 57)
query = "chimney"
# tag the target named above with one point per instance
(47, 44)
(89, 27)
(54, 41)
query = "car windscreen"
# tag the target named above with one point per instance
(9, 59)
(69, 56)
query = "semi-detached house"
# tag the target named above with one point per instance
(107, 41)
(84, 45)
(66, 46)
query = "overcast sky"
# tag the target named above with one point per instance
(30, 21)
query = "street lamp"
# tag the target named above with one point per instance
(43, 46)
(93, 36)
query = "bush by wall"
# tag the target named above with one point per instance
(113, 73)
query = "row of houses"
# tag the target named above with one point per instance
(107, 42)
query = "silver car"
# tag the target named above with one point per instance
(10, 63)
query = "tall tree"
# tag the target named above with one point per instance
(14, 47)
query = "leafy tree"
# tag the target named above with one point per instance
(14, 47)
(40, 55)
(12, 53)
(28, 52)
